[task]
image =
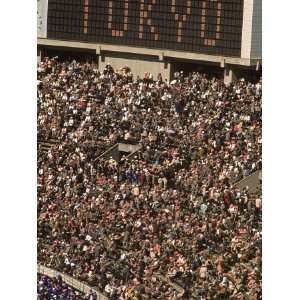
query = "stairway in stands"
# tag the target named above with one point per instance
(253, 181)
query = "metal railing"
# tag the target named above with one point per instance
(106, 152)
(120, 147)
(76, 284)
(175, 286)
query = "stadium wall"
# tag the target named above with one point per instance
(256, 45)
(139, 65)
(252, 31)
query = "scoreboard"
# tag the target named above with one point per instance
(204, 26)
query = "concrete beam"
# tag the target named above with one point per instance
(146, 51)
(251, 30)
(247, 29)
(68, 44)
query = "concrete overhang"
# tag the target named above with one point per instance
(146, 51)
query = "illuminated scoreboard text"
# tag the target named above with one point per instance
(210, 27)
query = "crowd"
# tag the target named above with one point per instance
(55, 289)
(170, 210)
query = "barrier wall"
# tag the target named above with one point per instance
(77, 284)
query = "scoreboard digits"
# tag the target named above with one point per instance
(207, 26)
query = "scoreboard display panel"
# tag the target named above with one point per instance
(203, 26)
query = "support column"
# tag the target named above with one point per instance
(165, 67)
(101, 62)
(39, 54)
(229, 75)
(166, 71)
(101, 58)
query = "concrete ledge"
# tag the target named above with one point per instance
(129, 147)
(146, 51)
(114, 151)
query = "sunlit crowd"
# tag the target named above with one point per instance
(168, 223)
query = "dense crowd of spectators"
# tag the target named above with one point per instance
(172, 209)
(56, 289)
